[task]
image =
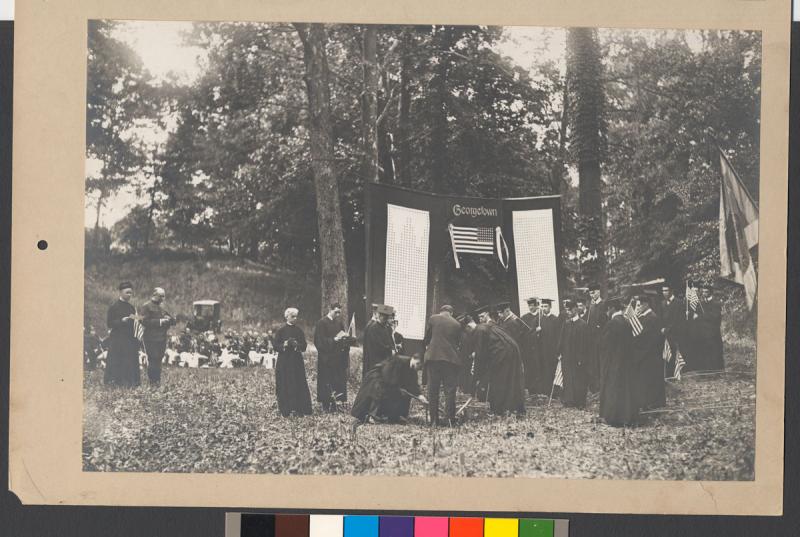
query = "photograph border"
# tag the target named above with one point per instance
(47, 285)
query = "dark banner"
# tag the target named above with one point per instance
(425, 250)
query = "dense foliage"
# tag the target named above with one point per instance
(436, 108)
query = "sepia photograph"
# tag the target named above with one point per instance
(421, 250)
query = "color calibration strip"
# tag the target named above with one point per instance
(267, 525)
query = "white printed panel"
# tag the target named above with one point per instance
(535, 247)
(406, 282)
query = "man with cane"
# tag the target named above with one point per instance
(156, 322)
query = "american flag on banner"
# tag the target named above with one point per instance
(478, 240)
(633, 320)
(558, 380)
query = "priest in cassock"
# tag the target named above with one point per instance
(574, 348)
(333, 358)
(530, 346)
(710, 329)
(378, 339)
(548, 332)
(618, 404)
(291, 385)
(122, 361)
(498, 365)
(648, 348)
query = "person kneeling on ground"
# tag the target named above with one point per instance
(385, 394)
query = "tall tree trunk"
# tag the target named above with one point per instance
(443, 180)
(370, 103)
(329, 217)
(584, 70)
(404, 108)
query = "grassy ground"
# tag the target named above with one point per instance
(227, 421)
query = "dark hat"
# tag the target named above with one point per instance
(594, 287)
(480, 309)
(447, 307)
(569, 303)
(383, 309)
(548, 301)
(500, 306)
(532, 300)
(125, 285)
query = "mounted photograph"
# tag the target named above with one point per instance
(421, 250)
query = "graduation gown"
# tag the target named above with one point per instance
(710, 335)
(596, 319)
(648, 348)
(546, 353)
(333, 361)
(529, 350)
(291, 386)
(498, 367)
(378, 345)
(618, 404)
(673, 319)
(574, 348)
(381, 392)
(122, 361)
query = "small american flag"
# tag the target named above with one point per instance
(667, 354)
(633, 320)
(558, 380)
(351, 330)
(692, 298)
(679, 363)
(138, 328)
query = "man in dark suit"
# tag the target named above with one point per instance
(333, 358)
(156, 321)
(442, 342)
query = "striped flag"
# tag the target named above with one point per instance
(679, 364)
(478, 240)
(633, 320)
(351, 330)
(667, 354)
(138, 328)
(558, 380)
(692, 299)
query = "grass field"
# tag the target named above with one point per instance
(210, 420)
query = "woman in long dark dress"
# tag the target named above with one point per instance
(291, 386)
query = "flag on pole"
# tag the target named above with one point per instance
(692, 299)
(478, 240)
(738, 230)
(633, 320)
(558, 380)
(679, 364)
(351, 330)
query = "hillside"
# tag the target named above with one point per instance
(252, 296)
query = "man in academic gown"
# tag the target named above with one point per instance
(508, 321)
(122, 362)
(673, 320)
(618, 404)
(548, 332)
(378, 340)
(573, 347)
(498, 366)
(648, 348)
(386, 392)
(333, 358)
(530, 346)
(596, 318)
(710, 321)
